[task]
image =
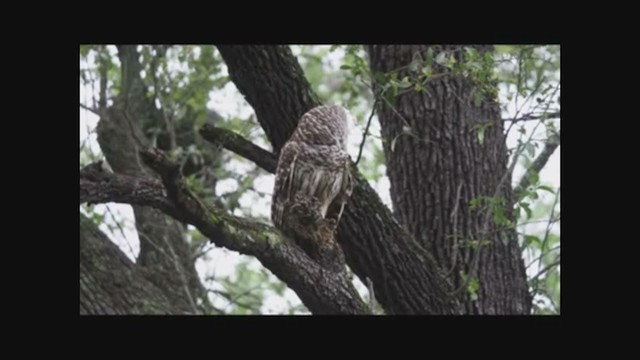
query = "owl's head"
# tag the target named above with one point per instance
(325, 125)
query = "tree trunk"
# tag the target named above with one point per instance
(163, 247)
(437, 165)
(110, 284)
(405, 277)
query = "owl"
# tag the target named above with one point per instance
(313, 179)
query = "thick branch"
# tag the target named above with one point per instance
(274, 84)
(241, 146)
(111, 284)
(539, 163)
(321, 291)
(405, 277)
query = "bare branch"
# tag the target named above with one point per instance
(545, 269)
(95, 111)
(553, 115)
(241, 146)
(366, 130)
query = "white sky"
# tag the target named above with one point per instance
(228, 102)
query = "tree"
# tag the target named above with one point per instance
(450, 247)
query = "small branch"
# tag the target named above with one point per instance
(549, 225)
(102, 69)
(538, 164)
(241, 146)
(542, 255)
(454, 216)
(366, 130)
(95, 111)
(553, 115)
(545, 269)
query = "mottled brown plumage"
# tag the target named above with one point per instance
(313, 181)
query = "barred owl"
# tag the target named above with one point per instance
(313, 180)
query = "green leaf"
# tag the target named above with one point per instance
(98, 219)
(379, 77)
(481, 135)
(527, 209)
(346, 67)
(426, 71)
(531, 239)
(475, 65)
(393, 143)
(531, 150)
(429, 56)
(475, 203)
(546, 188)
(441, 58)
(477, 98)
(488, 56)
(504, 48)
(84, 50)
(452, 61)
(405, 84)
(471, 52)
(472, 287)
(413, 67)
(498, 216)
(534, 177)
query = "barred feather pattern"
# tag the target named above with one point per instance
(312, 175)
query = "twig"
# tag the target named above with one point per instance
(548, 230)
(544, 270)
(113, 217)
(553, 115)
(542, 255)
(233, 300)
(539, 163)
(366, 130)
(454, 216)
(95, 111)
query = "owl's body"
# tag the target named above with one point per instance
(313, 181)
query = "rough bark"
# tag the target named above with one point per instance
(110, 284)
(437, 165)
(405, 277)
